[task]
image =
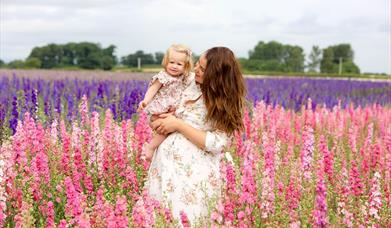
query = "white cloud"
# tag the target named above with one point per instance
(152, 25)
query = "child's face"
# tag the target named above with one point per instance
(176, 64)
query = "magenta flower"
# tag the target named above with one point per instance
(268, 179)
(328, 158)
(320, 212)
(355, 182)
(184, 220)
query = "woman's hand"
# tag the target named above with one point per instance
(153, 118)
(158, 116)
(166, 124)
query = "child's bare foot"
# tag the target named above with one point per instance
(147, 152)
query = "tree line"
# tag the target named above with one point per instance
(270, 56)
(277, 57)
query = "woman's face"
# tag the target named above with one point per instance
(199, 69)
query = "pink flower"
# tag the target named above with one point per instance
(145, 209)
(248, 191)
(241, 215)
(230, 178)
(247, 123)
(239, 144)
(375, 200)
(229, 209)
(216, 217)
(75, 204)
(307, 152)
(320, 212)
(83, 109)
(66, 149)
(268, 179)
(353, 138)
(118, 218)
(328, 158)
(96, 149)
(62, 224)
(184, 220)
(50, 215)
(355, 182)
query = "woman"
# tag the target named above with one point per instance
(184, 172)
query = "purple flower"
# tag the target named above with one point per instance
(13, 122)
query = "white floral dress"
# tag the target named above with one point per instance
(183, 176)
(169, 95)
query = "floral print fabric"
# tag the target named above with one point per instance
(168, 96)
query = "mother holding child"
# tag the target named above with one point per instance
(184, 173)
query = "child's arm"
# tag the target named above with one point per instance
(152, 90)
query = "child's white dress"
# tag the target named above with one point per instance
(168, 96)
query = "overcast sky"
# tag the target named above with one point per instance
(152, 25)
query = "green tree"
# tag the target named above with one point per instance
(274, 56)
(294, 58)
(251, 65)
(88, 55)
(159, 57)
(273, 65)
(327, 62)
(69, 55)
(16, 64)
(109, 52)
(350, 68)
(32, 63)
(49, 55)
(335, 55)
(107, 63)
(343, 51)
(84, 55)
(2, 63)
(267, 51)
(131, 59)
(314, 59)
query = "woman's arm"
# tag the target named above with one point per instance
(169, 123)
(196, 136)
(211, 141)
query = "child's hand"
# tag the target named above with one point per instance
(141, 106)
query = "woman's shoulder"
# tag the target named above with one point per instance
(192, 89)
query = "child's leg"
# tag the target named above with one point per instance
(157, 140)
(153, 144)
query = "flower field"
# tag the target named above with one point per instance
(70, 156)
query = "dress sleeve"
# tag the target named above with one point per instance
(216, 141)
(162, 77)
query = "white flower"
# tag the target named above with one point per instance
(229, 157)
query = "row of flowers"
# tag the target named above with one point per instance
(317, 167)
(49, 99)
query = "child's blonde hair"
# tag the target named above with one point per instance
(181, 49)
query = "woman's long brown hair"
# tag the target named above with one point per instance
(224, 90)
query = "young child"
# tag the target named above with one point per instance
(165, 89)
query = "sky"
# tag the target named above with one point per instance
(153, 25)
